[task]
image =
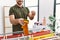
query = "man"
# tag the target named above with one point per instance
(17, 14)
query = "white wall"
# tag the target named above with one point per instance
(46, 8)
(4, 3)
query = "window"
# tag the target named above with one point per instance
(58, 11)
(32, 5)
(31, 2)
(57, 25)
(57, 1)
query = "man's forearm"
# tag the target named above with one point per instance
(15, 22)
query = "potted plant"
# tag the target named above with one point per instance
(52, 24)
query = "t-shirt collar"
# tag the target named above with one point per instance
(18, 6)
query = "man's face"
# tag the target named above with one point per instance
(19, 2)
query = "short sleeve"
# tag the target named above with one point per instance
(27, 10)
(11, 11)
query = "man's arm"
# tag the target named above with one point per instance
(15, 21)
(31, 15)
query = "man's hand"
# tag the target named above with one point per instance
(31, 15)
(21, 21)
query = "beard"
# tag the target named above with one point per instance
(19, 3)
